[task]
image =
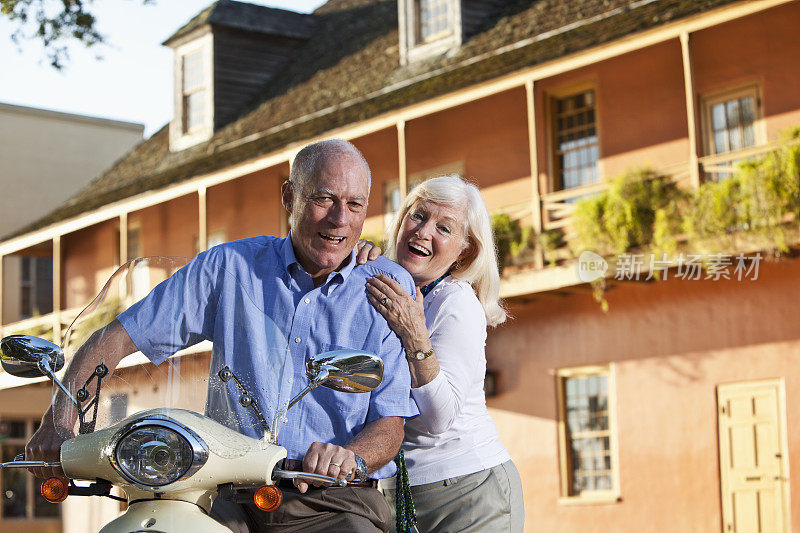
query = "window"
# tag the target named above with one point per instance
(587, 436)
(428, 28)
(575, 140)
(731, 120)
(193, 78)
(21, 497)
(36, 286)
(434, 19)
(193, 89)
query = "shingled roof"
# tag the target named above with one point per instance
(350, 70)
(249, 17)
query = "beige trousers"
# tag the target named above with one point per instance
(486, 501)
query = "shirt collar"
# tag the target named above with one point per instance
(291, 264)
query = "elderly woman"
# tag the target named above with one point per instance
(461, 476)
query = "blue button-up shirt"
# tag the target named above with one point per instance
(223, 295)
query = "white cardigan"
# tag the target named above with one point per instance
(454, 434)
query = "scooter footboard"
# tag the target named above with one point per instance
(164, 516)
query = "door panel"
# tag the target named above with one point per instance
(752, 472)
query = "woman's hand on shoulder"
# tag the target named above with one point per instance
(367, 251)
(405, 315)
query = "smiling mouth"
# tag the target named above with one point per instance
(331, 238)
(419, 251)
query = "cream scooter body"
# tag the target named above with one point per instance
(181, 506)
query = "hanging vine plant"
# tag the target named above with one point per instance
(649, 213)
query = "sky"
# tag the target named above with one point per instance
(133, 79)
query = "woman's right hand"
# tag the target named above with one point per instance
(367, 251)
(405, 315)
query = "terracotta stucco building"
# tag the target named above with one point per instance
(672, 411)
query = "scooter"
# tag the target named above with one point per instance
(172, 462)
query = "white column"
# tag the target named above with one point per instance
(401, 158)
(691, 114)
(57, 289)
(202, 237)
(536, 195)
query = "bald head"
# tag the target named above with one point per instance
(312, 158)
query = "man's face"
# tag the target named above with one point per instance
(328, 215)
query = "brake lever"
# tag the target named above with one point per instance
(30, 464)
(279, 473)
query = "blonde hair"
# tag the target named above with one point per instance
(479, 268)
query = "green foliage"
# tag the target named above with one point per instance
(550, 241)
(644, 211)
(511, 238)
(638, 206)
(755, 200)
(55, 23)
(102, 316)
(44, 331)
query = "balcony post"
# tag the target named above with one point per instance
(57, 289)
(123, 238)
(2, 302)
(402, 178)
(536, 195)
(202, 237)
(691, 114)
(123, 249)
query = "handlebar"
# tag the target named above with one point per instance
(306, 476)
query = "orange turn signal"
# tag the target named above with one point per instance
(268, 498)
(55, 489)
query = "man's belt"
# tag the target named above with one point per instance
(297, 465)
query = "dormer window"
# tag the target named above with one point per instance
(224, 57)
(194, 94)
(434, 20)
(193, 91)
(428, 28)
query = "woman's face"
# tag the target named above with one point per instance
(431, 240)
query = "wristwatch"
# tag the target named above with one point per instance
(419, 355)
(361, 468)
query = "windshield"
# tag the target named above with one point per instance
(239, 379)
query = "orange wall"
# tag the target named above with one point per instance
(89, 258)
(248, 206)
(170, 228)
(490, 135)
(671, 342)
(762, 48)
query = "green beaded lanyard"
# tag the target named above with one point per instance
(406, 514)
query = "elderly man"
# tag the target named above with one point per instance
(314, 290)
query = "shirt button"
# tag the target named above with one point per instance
(297, 339)
(307, 300)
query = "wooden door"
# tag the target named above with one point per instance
(752, 457)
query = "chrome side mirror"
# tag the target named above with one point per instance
(344, 371)
(26, 356)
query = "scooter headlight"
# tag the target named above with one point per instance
(156, 453)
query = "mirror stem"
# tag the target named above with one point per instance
(322, 376)
(52, 375)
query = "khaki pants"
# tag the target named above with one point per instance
(329, 510)
(486, 501)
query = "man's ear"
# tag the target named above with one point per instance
(287, 195)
